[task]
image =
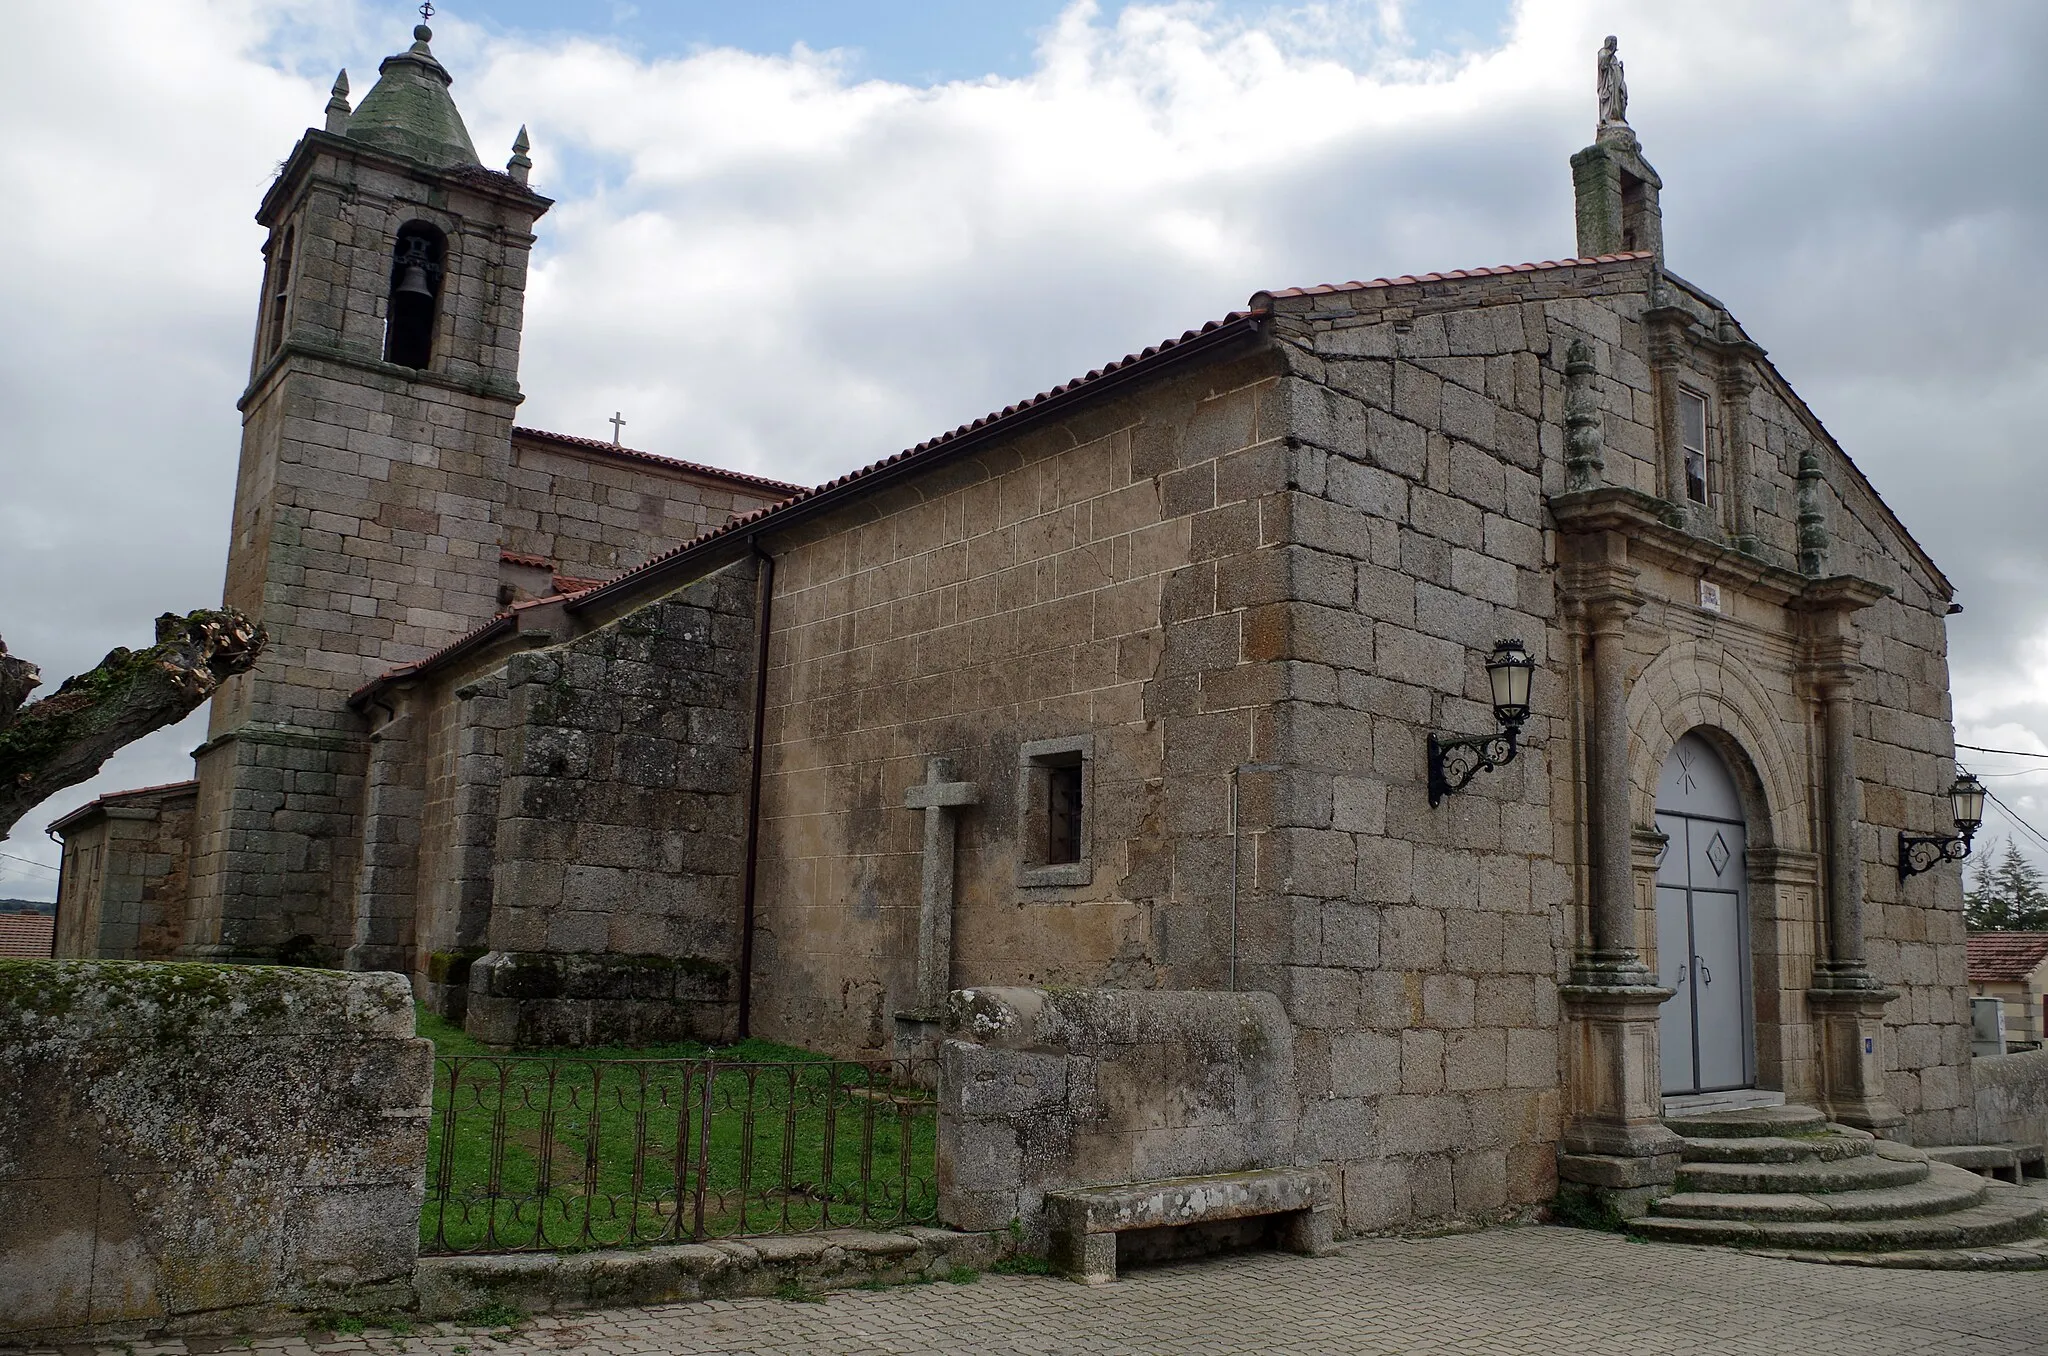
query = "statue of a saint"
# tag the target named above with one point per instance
(1613, 88)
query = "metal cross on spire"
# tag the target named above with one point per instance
(426, 10)
(617, 423)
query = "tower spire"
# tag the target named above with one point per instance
(409, 111)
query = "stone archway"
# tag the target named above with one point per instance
(1706, 1030)
(1699, 688)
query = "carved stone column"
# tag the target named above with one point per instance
(1615, 1139)
(1847, 1001)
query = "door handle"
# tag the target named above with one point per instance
(1706, 975)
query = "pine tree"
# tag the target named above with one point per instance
(2008, 896)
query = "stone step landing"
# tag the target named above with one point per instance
(1784, 1181)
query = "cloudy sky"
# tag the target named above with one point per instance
(793, 237)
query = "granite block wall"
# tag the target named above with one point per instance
(621, 826)
(193, 1148)
(1071, 581)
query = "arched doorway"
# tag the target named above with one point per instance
(1706, 1031)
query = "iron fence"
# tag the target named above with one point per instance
(535, 1154)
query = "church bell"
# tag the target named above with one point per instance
(412, 284)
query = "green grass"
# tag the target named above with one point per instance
(620, 1122)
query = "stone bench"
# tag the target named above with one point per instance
(2010, 1161)
(1086, 1220)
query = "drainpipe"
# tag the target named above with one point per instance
(765, 598)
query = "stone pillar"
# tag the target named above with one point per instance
(940, 797)
(1738, 379)
(387, 889)
(1615, 1140)
(1847, 1001)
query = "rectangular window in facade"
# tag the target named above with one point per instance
(1053, 799)
(1692, 440)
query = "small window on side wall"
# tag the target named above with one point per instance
(1692, 441)
(418, 258)
(1054, 795)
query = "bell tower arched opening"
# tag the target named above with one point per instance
(418, 261)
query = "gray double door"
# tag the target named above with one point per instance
(1705, 1031)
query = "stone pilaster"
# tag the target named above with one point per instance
(1614, 1139)
(387, 888)
(1846, 999)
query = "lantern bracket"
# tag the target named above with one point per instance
(1454, 760)
(1924, 852)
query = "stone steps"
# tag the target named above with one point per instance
(1867, 1172)
(1946, 1189)
(1751, 1122)
(2000, 1219)
(1828, 1148)
(1783, 1181)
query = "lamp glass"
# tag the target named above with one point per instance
(1508, 670)
(1966, 798)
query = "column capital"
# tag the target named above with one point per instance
(1603, 591)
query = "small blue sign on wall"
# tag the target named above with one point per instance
(1869, 1044)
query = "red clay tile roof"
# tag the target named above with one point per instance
(2005, 957)
(520, 558)
(1215, 331)
(1237, 322)
(28, 935)
(755, 482)
(1456, 273)
(565, 584)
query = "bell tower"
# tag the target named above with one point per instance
(376, 434)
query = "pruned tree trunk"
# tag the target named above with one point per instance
(63, 739)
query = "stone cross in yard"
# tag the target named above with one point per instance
(937, 794)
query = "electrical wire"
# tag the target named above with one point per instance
(26, 862)
(2010, 814)
(2017, 753)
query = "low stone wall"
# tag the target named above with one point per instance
(194, 1148)
(547, 1283)
(2012, 1098)
(1050, 1088)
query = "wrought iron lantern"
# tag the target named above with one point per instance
(1923, 852)
(1454, 760)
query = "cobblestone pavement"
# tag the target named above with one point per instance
(1528, 1290)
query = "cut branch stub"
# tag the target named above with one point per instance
(63, 739)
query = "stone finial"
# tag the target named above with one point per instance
(337, 105)
(1585, 443)
(1813, 521)
(520, 166)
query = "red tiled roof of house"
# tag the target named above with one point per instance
(521, 558)
(1409, 279)
(635, 454)
(2005, 957)
(27, 935)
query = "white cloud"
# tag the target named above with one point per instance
(769, 263)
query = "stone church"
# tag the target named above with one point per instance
(1180, 675)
